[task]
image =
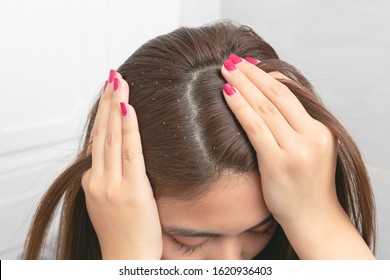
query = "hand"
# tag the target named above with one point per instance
(297, 160)
(119, 196)
(296, 153)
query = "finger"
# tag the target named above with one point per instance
(85, 179)
(89, 148)
(257, 130)
(279, 94)
(282, 131)
(113, 144)
(132, 157)
(100, 126)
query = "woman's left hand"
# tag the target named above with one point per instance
(296, 155)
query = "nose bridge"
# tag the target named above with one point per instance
(228, 248)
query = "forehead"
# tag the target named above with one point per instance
(232, 204)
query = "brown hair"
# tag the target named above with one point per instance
(190, 137)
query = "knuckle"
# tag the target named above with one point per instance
(112, 196)
(278, 88)
(300, 160)
(101, 191)
(301, 152)
(324, 139)
(303, 155)
(85, 179)
(278, 75)
(97, 131)
(112, 138)
(128, 130)
(255, 127)
(128, 155)
(268, 108)
(106, 97)
(91, 189)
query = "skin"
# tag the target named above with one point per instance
(229, 221)
(297, 161)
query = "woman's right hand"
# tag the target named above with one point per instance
(118, 193)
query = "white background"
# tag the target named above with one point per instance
(55, 55)
(195, 270)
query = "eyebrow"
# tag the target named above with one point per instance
(185, 232)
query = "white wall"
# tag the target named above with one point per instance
(55, 55)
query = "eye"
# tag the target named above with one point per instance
(186, 249)
(268, 232)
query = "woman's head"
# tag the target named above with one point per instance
(191, 140)
(189, 136)
(228, 221)
(194, 148)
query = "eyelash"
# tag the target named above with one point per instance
(267, 232)
(188, 250)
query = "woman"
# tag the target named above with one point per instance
(217, 157)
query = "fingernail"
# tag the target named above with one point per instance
(123, 109)
(252, 60)
(229, 65)
(235, 59)
(105, 85)
(112, 76)
(229, 89)
(117, 83)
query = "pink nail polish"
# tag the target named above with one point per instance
(252, 60)
(123, 109)
(235, 59)
(117, 83)
(229, 89)
(229, 65)
(112, 76)
(105, 85)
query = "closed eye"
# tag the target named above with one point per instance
(187, 249)
(190, 249)
(268, 232)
